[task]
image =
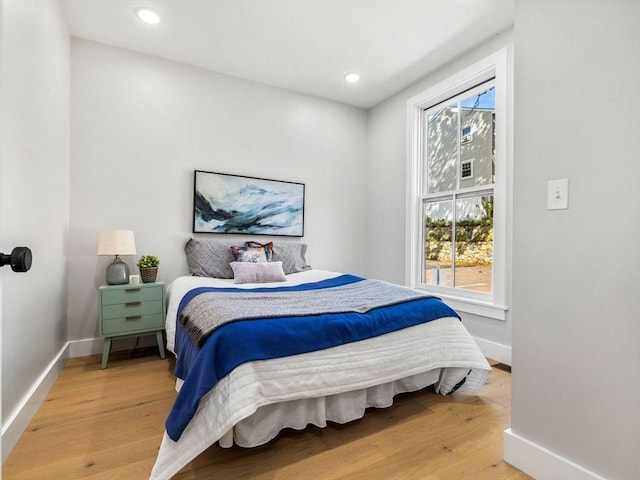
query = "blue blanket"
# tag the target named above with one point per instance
(243, 341)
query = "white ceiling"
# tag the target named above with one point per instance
(301, 45)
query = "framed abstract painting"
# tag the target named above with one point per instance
(224, 203)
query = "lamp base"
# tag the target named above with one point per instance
(117, 272)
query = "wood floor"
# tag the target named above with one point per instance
(107, 424)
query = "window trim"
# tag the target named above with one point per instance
(495, 305)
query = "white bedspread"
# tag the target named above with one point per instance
(440, 352)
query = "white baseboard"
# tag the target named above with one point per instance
(495, 351)
(540, 463)
(19, 419)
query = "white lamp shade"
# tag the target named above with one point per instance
(116, 242)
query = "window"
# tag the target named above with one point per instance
(466, 169)
(466, 134)
(456, 223)
(458, 207)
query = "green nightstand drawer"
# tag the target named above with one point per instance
(131, 309)
(132, 324)
(131, 294)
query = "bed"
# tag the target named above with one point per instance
(243, 377)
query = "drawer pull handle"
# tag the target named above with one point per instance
(128, 290)
(132, 304)
(134, 317)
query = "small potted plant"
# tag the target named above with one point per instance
(148, 265)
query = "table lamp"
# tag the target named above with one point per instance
(117, 242)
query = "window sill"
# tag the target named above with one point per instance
(476, 307)
(483, 309)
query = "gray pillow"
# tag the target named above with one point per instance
(259, 272)
(292, 256)
(210, 258)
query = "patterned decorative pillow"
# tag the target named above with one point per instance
(261, 272)
(253, 252)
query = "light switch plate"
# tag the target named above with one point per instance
(558, 194)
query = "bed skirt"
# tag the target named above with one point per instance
(268, 420)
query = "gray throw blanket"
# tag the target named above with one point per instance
(207, 311)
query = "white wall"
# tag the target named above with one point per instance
(141, 125)
(576, 272)
(386, 192)
(34, 195)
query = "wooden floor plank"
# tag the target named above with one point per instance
(108, 424)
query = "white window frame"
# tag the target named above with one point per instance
(493, 305)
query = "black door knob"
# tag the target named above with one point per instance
(20, 259)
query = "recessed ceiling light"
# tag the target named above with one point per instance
(147, 16)
(352, 77)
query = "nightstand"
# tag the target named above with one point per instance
(130, 311)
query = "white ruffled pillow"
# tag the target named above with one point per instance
(261, 272)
